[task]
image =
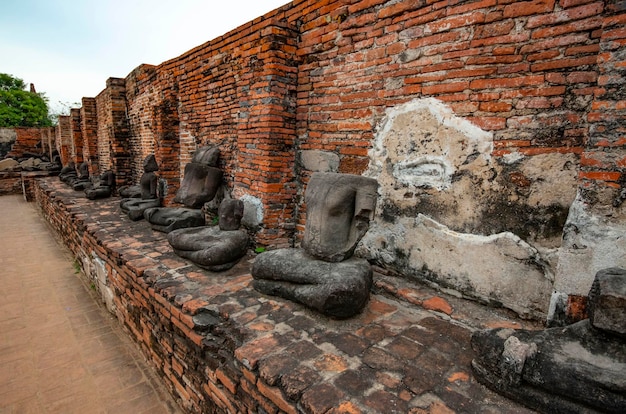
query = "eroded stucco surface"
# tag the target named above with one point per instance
(451, 213)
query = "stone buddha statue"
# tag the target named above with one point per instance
(200, 184)
(215, 248)
(149, 191)
(323, 275)
(68, 172)
(102, 187)
(577, 368)
(82, 180)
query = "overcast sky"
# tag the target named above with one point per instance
(68, 48)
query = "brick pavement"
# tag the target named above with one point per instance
(60, 351)
(221, 346)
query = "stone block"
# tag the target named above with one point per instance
(607, 301)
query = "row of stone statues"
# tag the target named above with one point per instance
(79, 179)
(579, 368)
(322, 275)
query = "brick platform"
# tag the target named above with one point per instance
(220, 346)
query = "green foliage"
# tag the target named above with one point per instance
(9, 83)
(20, 108)
(259, 249)
(77, 267)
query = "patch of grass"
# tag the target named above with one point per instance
(259, 249)
(77, 268)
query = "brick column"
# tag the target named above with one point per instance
(63, 139)
(167, 143)
(89, 131)
(595, 233)
(266, 132)
(77, 136)
(604, 159)
(113, 130)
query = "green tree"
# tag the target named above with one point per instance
(21, 108)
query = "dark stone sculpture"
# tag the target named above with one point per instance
(335, 289)
(103, 187)
(202, 178)
(68, 172)
(578, 368)
(215, 248)
(82, 180)
(52, 166)
(149, 189)
(200, 184)
(323, 275)
(130, 191)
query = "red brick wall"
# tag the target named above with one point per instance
(604, 159)
(143, 97)
(89, 132)
(77, 136)
(63, 139)
(113, 131)
(320, 75)
(29, 140)
(238, 92)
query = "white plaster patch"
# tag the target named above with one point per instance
(435, 172)
(591, 242)
(479, 140)
(103, 283)
(253, 212)
(421, 145)
(512, 157)
(500, 267)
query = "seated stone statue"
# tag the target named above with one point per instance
(201, 179)
(578, 368)
(103, 187)
(324, 275)
(215, 248)
(130, 191)
(52, 166)
(68, 172)
(82, 181)
(200, 184)
(150, 197)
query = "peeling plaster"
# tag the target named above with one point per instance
(451, 214)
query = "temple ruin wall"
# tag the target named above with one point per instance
(493, 126)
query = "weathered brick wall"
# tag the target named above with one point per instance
(77, 136)
(63, 139)
(143, 97)
(33, 140)
(237, 92)
(523, 70)
(604, 159)
(594, 234)
(89, 132)
(113, 131)
(541, 77)
(10, 183)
